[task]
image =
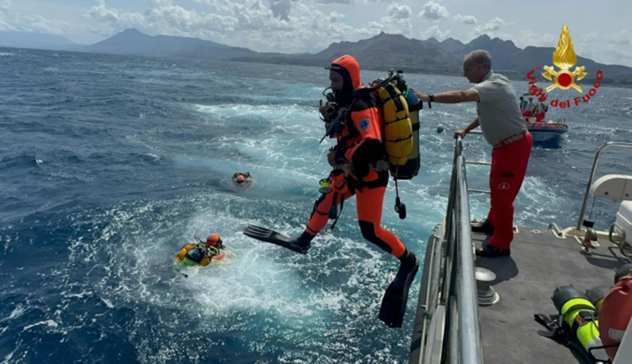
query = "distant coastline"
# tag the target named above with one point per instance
(391, 50)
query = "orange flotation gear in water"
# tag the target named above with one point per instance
(615, 314)
(241, 178)
(213, 240)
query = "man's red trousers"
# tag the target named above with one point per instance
(509, 166)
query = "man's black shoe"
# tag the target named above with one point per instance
(484, 227)
(489, 251)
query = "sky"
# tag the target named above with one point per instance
(600, 30)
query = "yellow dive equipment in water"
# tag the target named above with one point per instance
(189, 255)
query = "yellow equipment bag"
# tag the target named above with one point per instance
(397, 126)
(400, 131)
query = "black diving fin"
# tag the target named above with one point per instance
(394, 302)
(272, 237)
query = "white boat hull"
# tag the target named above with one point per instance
(544, 136)
(547, 130)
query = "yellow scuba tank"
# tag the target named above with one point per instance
(400, 131)
(413, 163)
(580, 318)
(400, 117)
(183, 252)
(397, 127)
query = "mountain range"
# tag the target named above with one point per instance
(381, 52)
(34, 40)
(133, 42)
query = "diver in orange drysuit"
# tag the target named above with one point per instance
(359, 137)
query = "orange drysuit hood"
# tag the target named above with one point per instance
(349, 68)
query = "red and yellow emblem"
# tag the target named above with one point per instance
(564, 58)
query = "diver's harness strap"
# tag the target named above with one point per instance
(333, 206)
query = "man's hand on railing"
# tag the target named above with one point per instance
(460, 133)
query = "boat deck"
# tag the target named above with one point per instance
(539, 263)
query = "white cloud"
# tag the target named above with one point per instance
(118, 19)
(348, 1)
(617, 54)
(261, 25)
(396, 11)
(281, 8)
(5, 5)
(391, 26)
(491, 26)
(39, 24)
(591, 37)
(397, 21)
(434, 32)
(605, 48)
(159, 2)
(530, 38)
(434, 11)
(602, 48)
(293, 25)
(620, 38)
(466, 19)
(32, 23)
(334, 1)
(4, 26)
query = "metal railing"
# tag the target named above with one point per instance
(464, 287)
(466, 293)
(450, 320)
(592, 176)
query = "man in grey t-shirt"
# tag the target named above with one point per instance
(504, 128)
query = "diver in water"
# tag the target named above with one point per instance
(355, 159)
(242, 179)
(201, 252)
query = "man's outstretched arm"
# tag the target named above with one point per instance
(450, 97)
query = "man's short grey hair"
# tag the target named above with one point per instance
(480, 56)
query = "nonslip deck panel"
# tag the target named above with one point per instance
(539, 263)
